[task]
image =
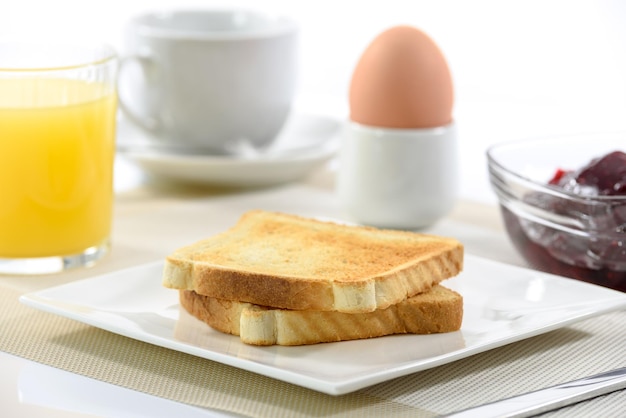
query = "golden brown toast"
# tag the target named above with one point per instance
(438, 310)
(286, 261)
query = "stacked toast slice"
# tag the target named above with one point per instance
(276, 278)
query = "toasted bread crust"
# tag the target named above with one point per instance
(436, 311)
(290, 262)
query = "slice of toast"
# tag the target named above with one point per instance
(286, 261)
(438, 310)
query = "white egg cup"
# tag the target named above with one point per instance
(398, 178)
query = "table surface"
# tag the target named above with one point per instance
(152, 219)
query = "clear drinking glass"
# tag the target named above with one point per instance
(57, 143)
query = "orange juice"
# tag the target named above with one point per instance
(56, 166)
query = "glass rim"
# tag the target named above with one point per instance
(102, 53)
(552, 190)
(544, 187)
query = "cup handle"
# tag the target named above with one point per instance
(148, 70)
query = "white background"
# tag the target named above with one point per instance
(520, 68)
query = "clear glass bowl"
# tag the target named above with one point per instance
(556, 231)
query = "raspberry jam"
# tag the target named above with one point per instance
(604, 176)
(592, 247)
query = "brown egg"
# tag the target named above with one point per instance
(402, 81)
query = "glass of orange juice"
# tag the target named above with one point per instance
(57, 144)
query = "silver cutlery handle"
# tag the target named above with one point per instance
(551, 398)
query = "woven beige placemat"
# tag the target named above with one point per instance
(589, 347)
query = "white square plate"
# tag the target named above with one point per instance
(502, 304)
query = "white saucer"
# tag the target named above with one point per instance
(306, 142)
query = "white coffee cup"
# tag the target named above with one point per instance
(214, 81)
